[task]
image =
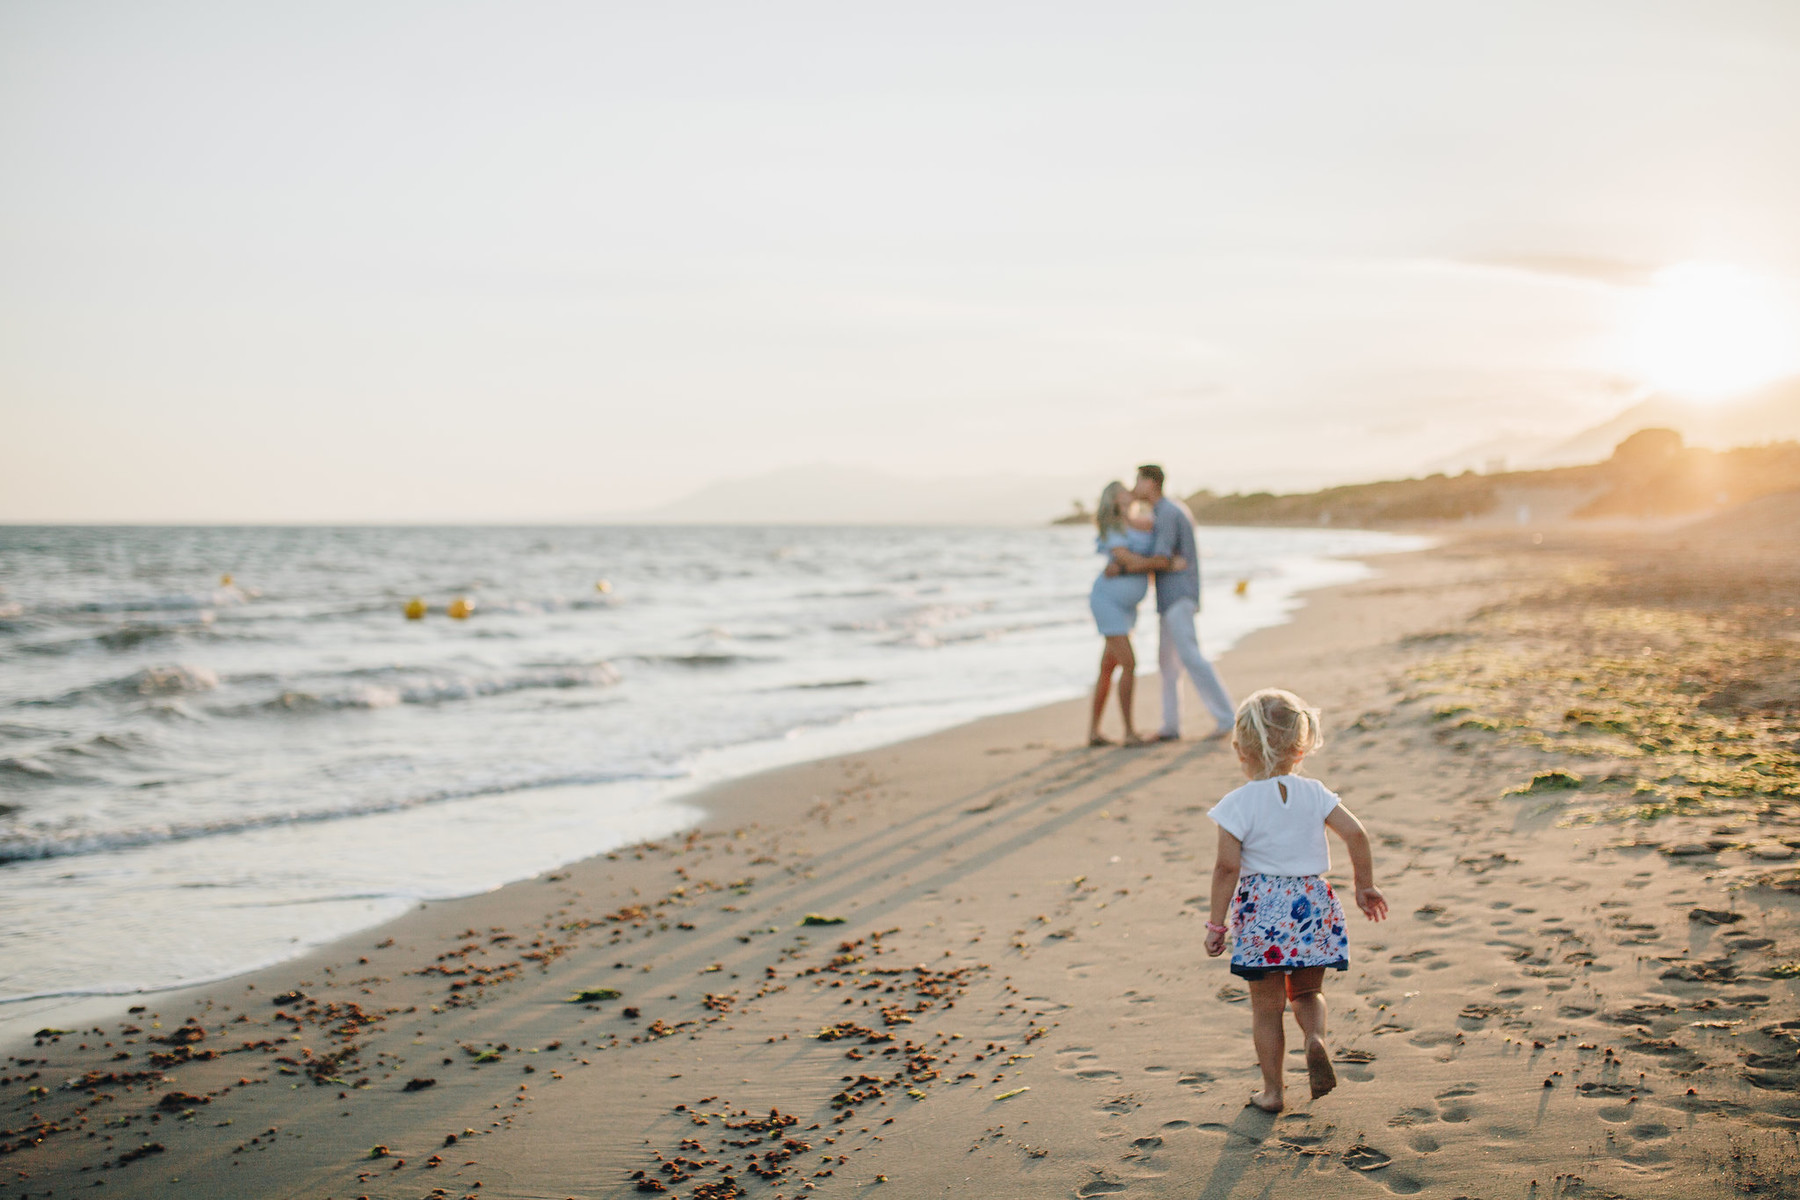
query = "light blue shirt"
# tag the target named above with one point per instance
(1174, 537)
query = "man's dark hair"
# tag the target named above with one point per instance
(1152, 472)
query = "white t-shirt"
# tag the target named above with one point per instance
(1280, 837)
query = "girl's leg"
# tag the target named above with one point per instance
(1306, 995)
(1102, 686)
(1268, 1002)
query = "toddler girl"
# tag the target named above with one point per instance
(1286, 923)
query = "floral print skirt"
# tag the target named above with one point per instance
(1286, 922)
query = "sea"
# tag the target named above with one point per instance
(222, 746)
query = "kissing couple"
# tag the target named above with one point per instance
(1143, 533)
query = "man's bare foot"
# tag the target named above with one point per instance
(1095, 739)
(1142, 739)
(1319, 1071)
(1267, 1101)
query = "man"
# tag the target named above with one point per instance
(1177, 604)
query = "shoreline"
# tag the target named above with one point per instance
(1013, 999)
(669, 806)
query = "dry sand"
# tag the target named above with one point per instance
(1016, 1002)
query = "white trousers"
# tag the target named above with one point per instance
(1178, 646)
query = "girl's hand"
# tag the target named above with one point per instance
(1372, 902)
(1215, 943)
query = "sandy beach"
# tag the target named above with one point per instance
(971, 965)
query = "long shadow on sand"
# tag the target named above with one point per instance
(1242, 1140)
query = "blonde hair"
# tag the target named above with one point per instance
(1109, 512)
(1276, 727)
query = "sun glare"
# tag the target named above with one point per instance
(1707, 331)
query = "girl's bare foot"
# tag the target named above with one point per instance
(1269, 1102)
(1095, 739)
(1319, 1071)
(1139, 739)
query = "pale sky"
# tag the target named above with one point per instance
(511, 261)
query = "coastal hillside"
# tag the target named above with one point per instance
(1651, 474)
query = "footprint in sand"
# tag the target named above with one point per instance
(1195, 1079)
(1365, 1158)
(1080, 1061)
(1099, 1187)
(1352, 1065)
(1452, 1108)
(1424, 1143)
(1147, 1144)
(1368, 1158)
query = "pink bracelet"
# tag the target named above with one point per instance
(1215, 928)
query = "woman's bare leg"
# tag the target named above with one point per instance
(1102, 686)
(1268, 1004)
(1120, 648)
(1306, 995)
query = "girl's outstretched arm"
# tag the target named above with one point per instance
(1226, 865)
(1362, 861)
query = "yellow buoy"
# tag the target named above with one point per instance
(415, 609)
(1243, 587)
(460, 608)
(602, 586)
(225, 580)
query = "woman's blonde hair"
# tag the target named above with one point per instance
(1276, 727)
(1109, 513)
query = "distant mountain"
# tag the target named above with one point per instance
(1769, 415)
(1501, 452)
(827, 494)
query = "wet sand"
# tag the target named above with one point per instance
(971, 964)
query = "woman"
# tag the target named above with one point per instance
(1122, 522)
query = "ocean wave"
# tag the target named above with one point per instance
(23, 845)
(702, 659)
(26, 769)
(173, 679)
(104, 745)
(12, 729)
(216, 598)
(165, 680)
(126, 637)
(387, 692)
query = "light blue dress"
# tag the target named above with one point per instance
(1115, 598)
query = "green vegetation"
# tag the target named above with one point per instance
(1689, 711)
(1650, 474)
